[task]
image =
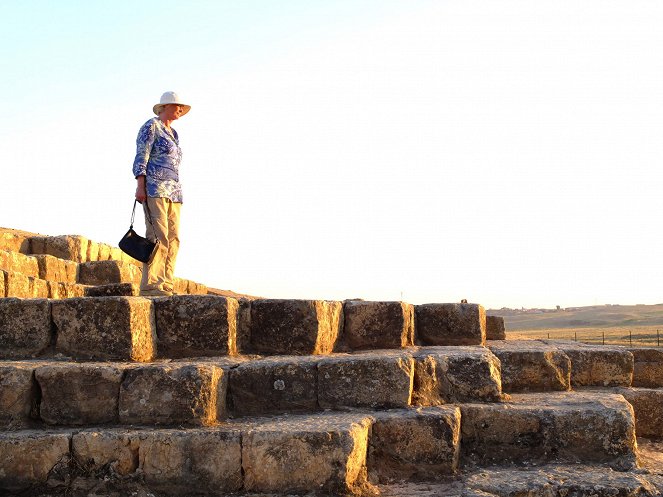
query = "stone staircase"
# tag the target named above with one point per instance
(58, 267)
(212, 395)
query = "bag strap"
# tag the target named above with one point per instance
(133, 214)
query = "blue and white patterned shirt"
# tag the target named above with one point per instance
(158, 157)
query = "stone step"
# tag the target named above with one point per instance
(323, 453)
(549, 427)
(359, 453)
(17, 285)
(37, 392)
(107, 272)
(191, 326)
(597, 365)
(648, 408)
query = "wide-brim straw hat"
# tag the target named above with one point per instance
(170, 97)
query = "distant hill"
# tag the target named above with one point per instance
(599, 316)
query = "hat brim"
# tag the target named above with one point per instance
(158, 107)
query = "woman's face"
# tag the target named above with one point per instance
(171, 112)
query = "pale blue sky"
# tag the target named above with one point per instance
(507, 152)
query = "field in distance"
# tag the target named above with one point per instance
(609, 324)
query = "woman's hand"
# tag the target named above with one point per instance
(141, 191)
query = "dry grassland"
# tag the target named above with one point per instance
(650, 336)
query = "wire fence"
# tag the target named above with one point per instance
(652, 338)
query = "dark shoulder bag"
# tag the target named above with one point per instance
(136, 246)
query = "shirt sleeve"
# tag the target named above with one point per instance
(144, 142)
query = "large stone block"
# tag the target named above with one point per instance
(19, 263)
(456, 374)
(647, 367)
(105, 272)
(201, 325)
(29, 459)
(374, 379)
(173, 394)
(56, 270)
(17, 285)
(18, 395)
(92, 253)
(274, 386)
(377, 325)
(559, 426)
(208, 460)
(15, 242)
(3, 284)
(294, 326)
(450, 324)
(38, 288)
(70, 247)
(25, 327)
(112, 449)
(597, 365)
(414, 444)
(113, 290)
(648, 407)
(120, 328)
(495, 329)
(532, 366)
(79, 394)
(297, 454)
(104, 252)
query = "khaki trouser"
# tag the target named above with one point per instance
(158, 275)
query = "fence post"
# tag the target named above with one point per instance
(575, 336)
(658, 339)
(548, 335)
(630, 338)
(603, 333)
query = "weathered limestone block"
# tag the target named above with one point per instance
(105, 272)
(560, 426)
(377, 325)
(113, 290)
(38, 288)
(92, 251)
(275, 385)
(180, 286)
(28, 458)
(25, 327)
(56, 290)
(414, 444)
(79, 394)
(17, 285)
(53, 269)
(119, 328)
(15, 262)
(560, 480)
(456, 374)
(244, 326)
(532, 366)
(294, 326)
(297, 454)
(374, 379)
(173, 394)
(208, 459)
(73, 290)
(200, 325)
(15, 242)
(648, 407)
(70, 247)
(195, 288)
(495, 329)
(3, 284)
(104, 252)
(647, 367)
(18, 395)
(450, 324)
(116, 254)
(597, 365)
(114, 449)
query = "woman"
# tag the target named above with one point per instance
(156, 169)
